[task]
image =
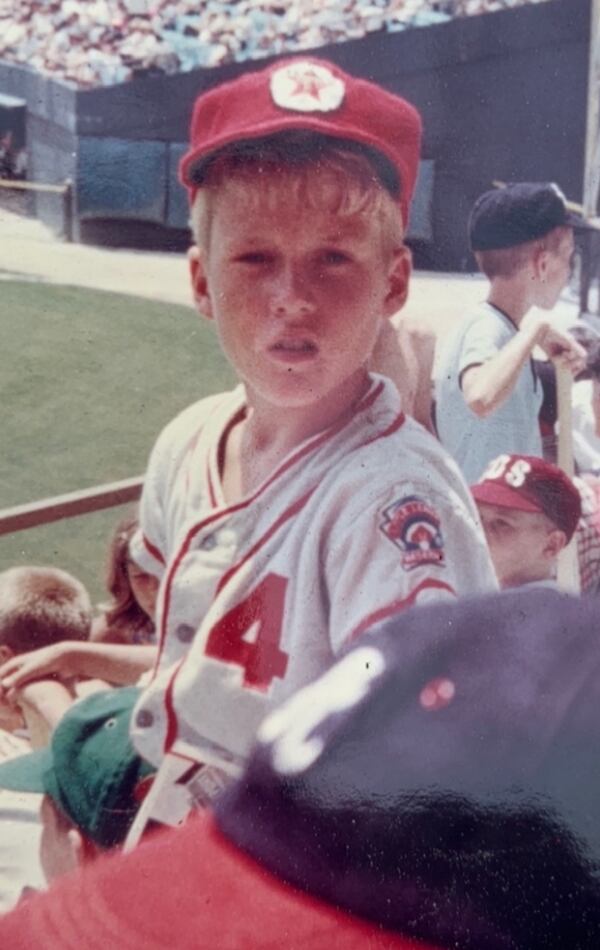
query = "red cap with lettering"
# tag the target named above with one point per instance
(528, 483)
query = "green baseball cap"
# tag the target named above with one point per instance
(90, 769)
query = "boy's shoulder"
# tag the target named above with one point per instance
(409, 455)
(186, 427)
(482, 321)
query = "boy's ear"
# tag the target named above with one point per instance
(557, 540)
(399, 277)
(199, 283)
(540, 261)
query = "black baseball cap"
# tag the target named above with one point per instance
(443, 778)
(520, 212)
(441, 781)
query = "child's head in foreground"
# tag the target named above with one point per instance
(525, 231)
(529, 511)
(40, 606)
(300, 179)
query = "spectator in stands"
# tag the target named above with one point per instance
(38, 606)
(110, 41)
(129, 617)
(529, 511)
(488, 396)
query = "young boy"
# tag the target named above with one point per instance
(487, 395)
(529, 510)
(39, 606)
(286, 516)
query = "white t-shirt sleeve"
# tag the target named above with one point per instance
(482, 341)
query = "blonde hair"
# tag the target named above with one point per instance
(507, 261)
(343, 178)
(40, 606)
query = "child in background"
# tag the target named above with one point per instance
(529, 511)
(39, 606)
(121, 641)
(129, 618)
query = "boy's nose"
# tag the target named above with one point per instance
(292, 293)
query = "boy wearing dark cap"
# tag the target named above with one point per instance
(487, 394)
(439, 783)
(529, 511)
(284, 515)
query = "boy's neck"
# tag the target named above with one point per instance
(266, 435)
(511, 297)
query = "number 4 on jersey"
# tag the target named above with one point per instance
(261, 659)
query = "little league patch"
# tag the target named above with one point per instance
(414, 527)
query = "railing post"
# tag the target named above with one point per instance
(68, 210)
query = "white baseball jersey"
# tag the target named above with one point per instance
(359, 522)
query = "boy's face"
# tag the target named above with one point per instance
(523, 544)
(298, 295)
(557, 265)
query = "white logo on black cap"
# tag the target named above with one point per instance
(557, 191)
(307, 87)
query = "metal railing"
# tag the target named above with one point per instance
(66, 190)
(71, 505)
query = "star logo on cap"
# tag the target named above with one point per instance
(307, 87)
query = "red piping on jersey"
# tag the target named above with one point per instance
(211, 491)
(366, 403)
(171, 731)
(153, 550)
(287, 514)
(393, 427)
(398, 605)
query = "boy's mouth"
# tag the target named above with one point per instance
(293, 348)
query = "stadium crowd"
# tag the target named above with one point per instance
(104, 42)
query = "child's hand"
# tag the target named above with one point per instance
(46, 663)
(560, 347)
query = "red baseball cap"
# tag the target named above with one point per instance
(188, 888)
(310, 94)
(528, 483)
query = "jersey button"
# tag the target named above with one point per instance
(208, 543)
(185, 633)
(144, 719)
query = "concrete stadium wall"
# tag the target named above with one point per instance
(503, 96)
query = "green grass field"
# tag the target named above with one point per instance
(87, 380)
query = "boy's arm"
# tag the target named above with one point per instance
(404, 547)
(118, 664)
(487, 385)
(43, 705)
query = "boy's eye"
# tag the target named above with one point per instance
(333, 258)
(254, 257)
(500, 527)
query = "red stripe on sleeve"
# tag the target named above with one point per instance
(397, 606)
(156, 554)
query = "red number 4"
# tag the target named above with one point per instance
(262, 659)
